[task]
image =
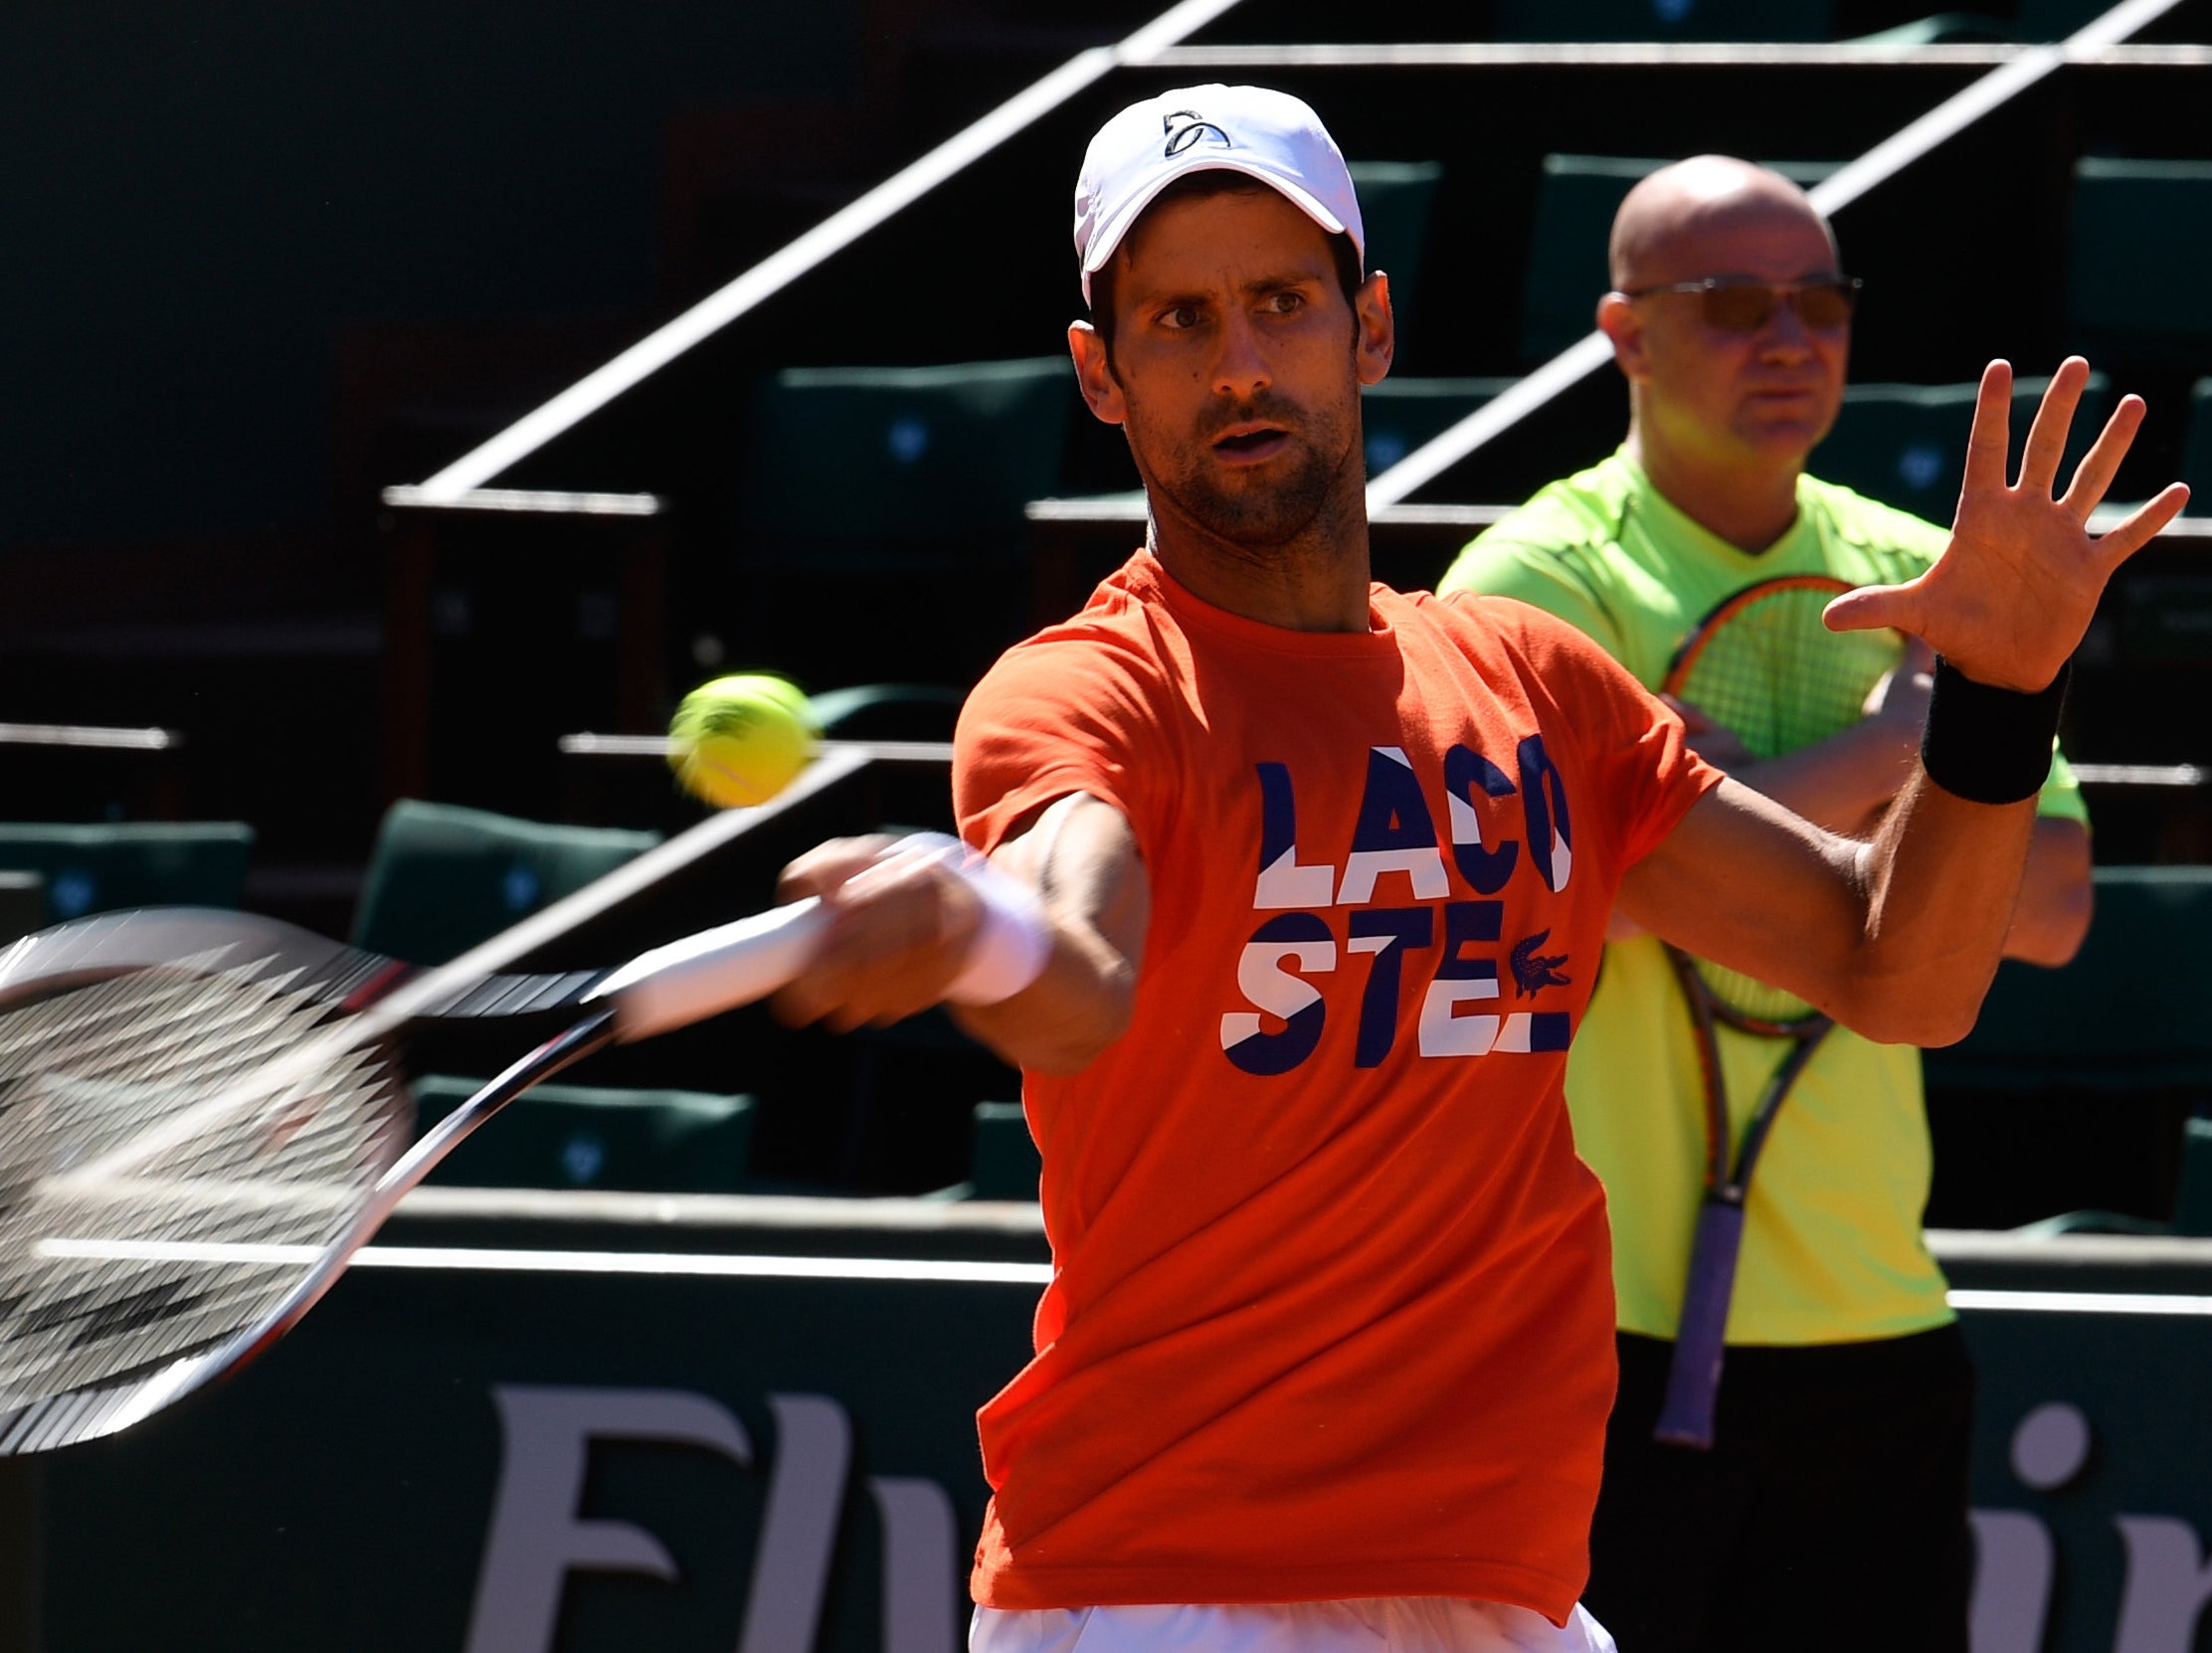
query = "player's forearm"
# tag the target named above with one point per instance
(1082, 859)
(1840, 782)
(2057, 895)
(1938, 883)
(1068, 1015)
(1896, 937)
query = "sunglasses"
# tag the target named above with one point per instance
(1745, 304)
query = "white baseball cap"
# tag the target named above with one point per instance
(1268, 135)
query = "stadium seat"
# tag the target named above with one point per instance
(2139, 241)
(102, 868)
(1534, 20)
(589, 1137)
(874, 467)
(1566, 275)
(2049, 20)
(1906, 445)
(887, 711)
(1399, 415)
(2196, 449)
(2192, 1205)
(22, 904)
(2073, 1088)
(1396, 200)
(2128, 1011)
(443, 878)
(1005, 1164)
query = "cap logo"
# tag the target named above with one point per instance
(1186, 128)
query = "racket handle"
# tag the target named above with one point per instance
(1701, 1339)
(714, 971)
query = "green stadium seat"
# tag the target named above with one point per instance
(1906, 445)
(146, 863)
(22, 904)
(1764, 20)
(870, 466)
(887, 711)
(2192, 1205)
(2127, 1012)
(2078, 1081)
(2049, 20)
(2139, 241)
(1399, 415)
(1005, 1164)
(1396, 201)
(589, 1137)
(2196, 449)
(1566, 275)
(443, 878)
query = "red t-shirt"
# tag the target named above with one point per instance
(1331, 1313)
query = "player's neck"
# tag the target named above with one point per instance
(1749, 506)
(1315, 581)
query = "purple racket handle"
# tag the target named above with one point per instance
(1693, 1377)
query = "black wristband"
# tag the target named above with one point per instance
(1989, 745)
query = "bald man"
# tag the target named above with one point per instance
(1829, 1510)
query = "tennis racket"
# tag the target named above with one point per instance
(1762, 666)
(202, 1119)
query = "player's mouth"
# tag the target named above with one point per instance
(1250, 443)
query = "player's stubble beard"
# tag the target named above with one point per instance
(1311, 489)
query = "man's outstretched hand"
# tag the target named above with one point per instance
(2009, 598)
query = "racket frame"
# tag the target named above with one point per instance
(666, 987)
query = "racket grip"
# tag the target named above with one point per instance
(714, 971)
(1701, 1339)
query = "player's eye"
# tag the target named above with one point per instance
(1180, 318)
(1284, 301)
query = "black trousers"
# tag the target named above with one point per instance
(1830, 1514)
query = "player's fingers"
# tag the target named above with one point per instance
(1869, 608)
(1992, 432)
(2054, 416)
(830, 867)
(2142, 526)
(2094, 474)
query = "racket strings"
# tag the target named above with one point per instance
(172, 1169)
(1772, 672)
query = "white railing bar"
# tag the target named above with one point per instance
(82, 735)
(547, 500)
(833, 234)
(1885, 160)
(1658, 55)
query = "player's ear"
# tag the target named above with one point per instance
(1376, 340)
(1618, 322)
(1095, 375)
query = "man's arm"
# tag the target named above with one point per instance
(1899, 935)
(1845, 782)
(903, 930)
(2057, 895)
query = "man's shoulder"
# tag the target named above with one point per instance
(1556, 546)
(1575, 516)
(1879, 529)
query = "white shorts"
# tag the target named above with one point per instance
(1376, 1624)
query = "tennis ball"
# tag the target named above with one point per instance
(740, 740)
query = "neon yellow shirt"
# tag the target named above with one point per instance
(1832, 1250)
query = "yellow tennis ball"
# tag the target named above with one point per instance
(739, 741)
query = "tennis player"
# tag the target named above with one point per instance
(1837, 1480)
(1286, 892)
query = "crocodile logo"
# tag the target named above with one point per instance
(1532, 971)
